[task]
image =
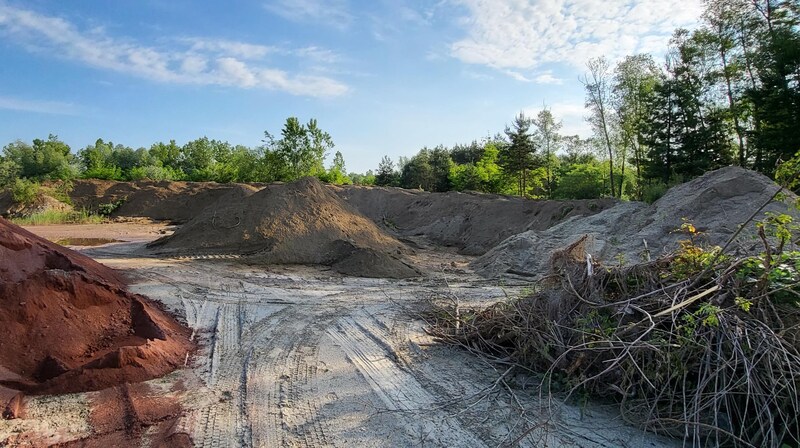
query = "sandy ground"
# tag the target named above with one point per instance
(300, 356)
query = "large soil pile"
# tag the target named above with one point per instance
(715, 203)
(69, 324)
(170, 201)
(303, 222)
(472, 222)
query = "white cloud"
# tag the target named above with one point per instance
(200, 61)
(317, 54)
(194, 65)
(42, 107)
(547, 78)
(235, 72)
(572, 116)
(231, 48)
(332, 13)
(526, 34)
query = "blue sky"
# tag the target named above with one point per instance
(383, 77)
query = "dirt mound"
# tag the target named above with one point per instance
(169, 201)
(69, 324)
(42, 203)
(303, 222)
(472, 222)
(715, 203)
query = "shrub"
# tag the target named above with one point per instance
(111, 207)
(152, 172)
(24, 191)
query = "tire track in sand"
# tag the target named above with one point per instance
(282, 399)
(363, 339)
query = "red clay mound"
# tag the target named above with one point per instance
(69, 325)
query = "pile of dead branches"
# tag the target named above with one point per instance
(696, 345)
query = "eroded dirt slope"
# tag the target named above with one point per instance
(471, 222)
(169, 201)
(716, 203)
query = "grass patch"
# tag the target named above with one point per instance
(59, 217)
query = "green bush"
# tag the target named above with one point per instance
(152, 172)
(24, 191)
(653, 191)
(108, 209)
(583, 181)
(103, 172)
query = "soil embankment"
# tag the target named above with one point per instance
(161, 201)
(471, 222)
(70, 325)
(716, 204)
(303, 222)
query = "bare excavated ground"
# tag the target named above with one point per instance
(301, 356)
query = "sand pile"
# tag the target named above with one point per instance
(69, 324)
(303, 222)
(715, 203)
(169, 201)
(472, 222)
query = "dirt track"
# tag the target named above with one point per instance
(301, 356)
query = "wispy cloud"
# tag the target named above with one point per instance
(547, 78)
(230, 48)
(572, 116)
(319, 55)
(201, 61)
(333, 13)
(526, 34)
(41, 107)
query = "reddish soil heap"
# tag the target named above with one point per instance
(69, 325)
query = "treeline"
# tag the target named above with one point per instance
(530, 158)
(299, 151)
(727, 93)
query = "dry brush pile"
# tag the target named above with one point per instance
(697, 344)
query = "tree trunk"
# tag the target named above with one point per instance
(610, 151)
(732, 103)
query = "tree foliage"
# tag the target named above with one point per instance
(517, 154)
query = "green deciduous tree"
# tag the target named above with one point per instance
(547, 128)
(635, 79)
(597, 84)
(417, 172)
(299, 152)
(45, 159)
